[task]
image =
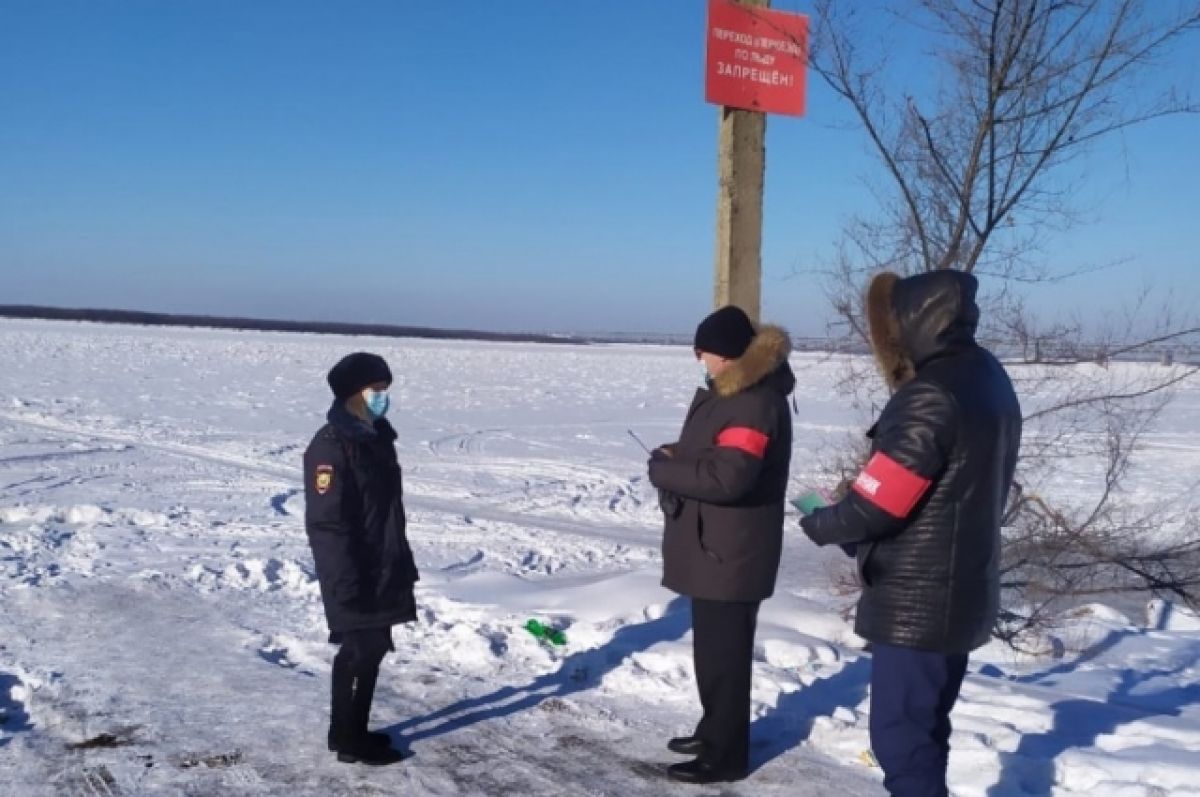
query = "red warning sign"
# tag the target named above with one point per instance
(756, 58)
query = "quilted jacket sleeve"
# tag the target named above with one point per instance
(913, 440)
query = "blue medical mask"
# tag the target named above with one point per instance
(377, 402)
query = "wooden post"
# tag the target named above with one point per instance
(741, 163)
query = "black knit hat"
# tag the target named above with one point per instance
(355, 371)
(726, 332)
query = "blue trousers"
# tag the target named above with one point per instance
(912, 694)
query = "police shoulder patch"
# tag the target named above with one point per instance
(324, 479)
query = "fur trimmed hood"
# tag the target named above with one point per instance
(767, 352)
(912, 320)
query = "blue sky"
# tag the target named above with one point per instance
(526, 164)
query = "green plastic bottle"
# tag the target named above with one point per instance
(546, 633)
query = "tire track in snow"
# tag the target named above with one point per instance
(290, 476)
(530, 482)
(473, 442)
(284, 472)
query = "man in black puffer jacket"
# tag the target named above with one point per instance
(925, 514)
(354, 515)
(722, 487)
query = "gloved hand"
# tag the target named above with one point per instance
(669, 503)
(811, 500)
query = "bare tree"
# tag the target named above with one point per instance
(979, 172)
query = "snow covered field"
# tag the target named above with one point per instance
(161, 630)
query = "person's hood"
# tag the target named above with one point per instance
(913, 320)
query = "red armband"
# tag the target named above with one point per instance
(890, 486)
(743, 438)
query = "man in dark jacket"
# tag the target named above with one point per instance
(925, 514)
(722, 487)
(354, 516)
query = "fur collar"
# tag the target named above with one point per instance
(769, 349)
(884, 329)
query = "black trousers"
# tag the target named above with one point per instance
(912, 695)
(723, 651)
(355, 672)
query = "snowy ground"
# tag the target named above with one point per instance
(161, 631)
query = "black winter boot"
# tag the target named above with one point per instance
(361, 694)
(360, 751)
(373, 737)
(342, 703)
(349, 736)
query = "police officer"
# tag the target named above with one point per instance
(354, 517)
